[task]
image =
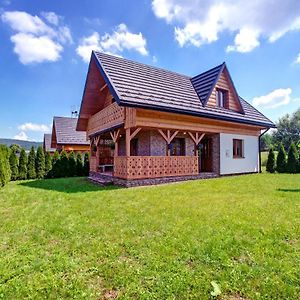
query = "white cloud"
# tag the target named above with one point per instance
(298, 59)
(114, 43)
(21, 136)
(32, 49)
(245, 41)
(34, 40)
(87, 45)
(274, 99)
(51, 17)
(198, 22)
(34, 127)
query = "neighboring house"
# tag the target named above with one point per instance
(65, 137)
(165, 126)
(47, 144)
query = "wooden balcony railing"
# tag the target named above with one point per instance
(106, 118)
(138, 167)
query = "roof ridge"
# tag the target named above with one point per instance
(143, 64)
(207, 71)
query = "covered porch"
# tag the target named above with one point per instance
(148, 153)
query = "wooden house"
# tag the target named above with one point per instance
(147, 125)
(65, 137)
(47, 144)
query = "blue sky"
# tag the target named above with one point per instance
(45, 47)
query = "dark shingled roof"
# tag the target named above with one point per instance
(47, 143)
(205, 82)
(139, 85)
(65, 130)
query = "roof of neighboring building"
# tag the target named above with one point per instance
(65, 131)
(139, 85)
(47, 143)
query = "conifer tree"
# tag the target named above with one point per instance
(72, 164)
(40, 163)
(86, 164)
(23, 165)
(79, 164)
(31, 173)
(4, 165)
(56, 168)
(13, 163)
(271, 162)
(64, 164)
(292, 161)
(281, 160)
(48, 164)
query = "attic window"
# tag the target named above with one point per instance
(222, 98)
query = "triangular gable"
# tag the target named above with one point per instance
(98, 92)
(53, 136)
(207, 83)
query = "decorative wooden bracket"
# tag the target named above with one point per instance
(115, 135)
(197, 139)
(129, 137)
(168, 137)
(97, 139)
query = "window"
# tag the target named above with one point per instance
(177, 147)
(238, 148)
(222, 96)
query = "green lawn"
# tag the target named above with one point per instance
(69, 239)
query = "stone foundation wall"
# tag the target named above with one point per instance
(216, 153)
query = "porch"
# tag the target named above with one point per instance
(149, 153)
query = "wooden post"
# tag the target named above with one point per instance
(127, 132)
(115, 137)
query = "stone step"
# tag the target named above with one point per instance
(100, 181)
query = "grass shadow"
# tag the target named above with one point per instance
(67, 185)
(289, 190)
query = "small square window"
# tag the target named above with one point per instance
(222, 98)
(238, 148)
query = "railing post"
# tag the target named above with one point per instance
(128, 137)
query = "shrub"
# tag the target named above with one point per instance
(48, 164)
(64, 165)
(271, 162)
(72, 164)
(31, 174)
(23, 165)
(4, 165)
(13, 163)
(281, 160)
(40, 163)
(292, 161)
(86, 164)
(79, 165)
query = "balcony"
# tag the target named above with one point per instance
(109, 117)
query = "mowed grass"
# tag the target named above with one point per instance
(69, 239)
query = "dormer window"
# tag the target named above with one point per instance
(222, 98)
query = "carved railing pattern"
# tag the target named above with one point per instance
(108, 117)
(138, 167)
(93, 164)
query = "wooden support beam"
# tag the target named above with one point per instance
(168, 138)
(115, 135)
(97, 139)
(127, 133)
(196, 139)
(135, 133)
(103, 87)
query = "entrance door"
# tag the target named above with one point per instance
(206, 155)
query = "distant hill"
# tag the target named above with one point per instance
(24, 144)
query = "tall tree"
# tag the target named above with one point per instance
(40, 163)
(15, 147)
(48, 164)
(281, 160)
(23, 165)
(64, 164)
(56, 166)
(86, 164)
(288, 130)
(13, 163)
(292, 161)
(31, 174)
(271, 162)
(266, 142)
(4, 165)
(79, 164)
(72, 164)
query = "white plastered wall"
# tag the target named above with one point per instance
(230, 165)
